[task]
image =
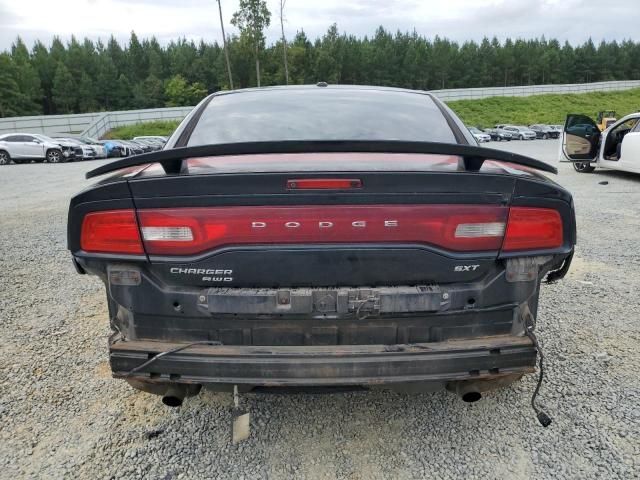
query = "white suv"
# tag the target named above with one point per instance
(24, 147)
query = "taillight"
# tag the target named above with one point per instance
(532, 229)
(185, 231)
(111, 231)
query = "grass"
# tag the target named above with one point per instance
(550, 109)
(486, 112)
(127, 132)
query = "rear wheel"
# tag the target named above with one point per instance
(583, 167)
(54, 156)
(520, 137)
(5, 158)
(545, 136)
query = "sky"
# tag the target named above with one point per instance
(460, 20)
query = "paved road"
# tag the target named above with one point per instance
(63, 416)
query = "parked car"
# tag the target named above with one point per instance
(135, 147)
(153, 145)
(121, 148)
(304, 262)
(520, 132)
(544, 131)
(617, 148)
(558, 128)
(114, 148)
(101, 151)
(25, 147)
(158, 138)
(88, 152)
(479, 135)
(498, 134)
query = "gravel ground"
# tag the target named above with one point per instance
(62, 415)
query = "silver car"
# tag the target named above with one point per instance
(24, 147)
(520, 132)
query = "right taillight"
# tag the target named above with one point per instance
(532, 229)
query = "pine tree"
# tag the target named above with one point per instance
(149, 93)
(64, 90)
(123, 93)
(9, 91)
(86, 94)
(106, 82)
(139, 73)
(30, 97)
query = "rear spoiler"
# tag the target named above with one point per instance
(472, 157)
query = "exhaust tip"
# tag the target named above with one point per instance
(174, 396)
(470, 397)
(171, 401)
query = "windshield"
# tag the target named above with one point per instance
(321, 114)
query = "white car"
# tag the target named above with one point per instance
(24, 147)
(479, 135)
(617, 148)
(89, 151)
(520, 132)
(158, 138)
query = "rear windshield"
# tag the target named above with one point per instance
(321, 114)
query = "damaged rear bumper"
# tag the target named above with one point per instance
(446, 361)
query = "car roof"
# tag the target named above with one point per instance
(17, 133)
(314, 87)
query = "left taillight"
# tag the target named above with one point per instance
(111, 231)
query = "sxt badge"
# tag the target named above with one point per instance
(465, 268)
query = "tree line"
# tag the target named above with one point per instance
(87, 76)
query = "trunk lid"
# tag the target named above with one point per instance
(327, 237)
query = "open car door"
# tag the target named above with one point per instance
(580, 139)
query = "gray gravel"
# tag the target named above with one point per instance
(61, 415)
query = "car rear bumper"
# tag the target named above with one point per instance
(486, 357)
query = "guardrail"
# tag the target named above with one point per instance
(48, 124)
(528, 90)
(90, 124)
(110, 120)
(97, 124)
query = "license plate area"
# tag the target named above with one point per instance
(326, 302)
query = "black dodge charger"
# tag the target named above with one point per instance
(322, 236)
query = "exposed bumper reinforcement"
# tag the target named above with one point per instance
(320, 365)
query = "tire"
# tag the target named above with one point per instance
(54, 156)
(545, 136)
(5, 158)
(520, 137)
(583, 167)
